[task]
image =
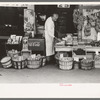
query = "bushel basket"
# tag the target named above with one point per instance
(66, 63)
(19, 63)
(33, 63)
(86, 64)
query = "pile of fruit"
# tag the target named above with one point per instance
(95, 43)
(35, 57)
(18, 58)
(13, 53)
(66, 59)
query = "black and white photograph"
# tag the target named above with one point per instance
(49, 43)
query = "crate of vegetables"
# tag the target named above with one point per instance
(34, 61)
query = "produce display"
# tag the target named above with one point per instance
(87, 64)
(35, 57)
(13, 53)
(18, 58)
(87, 23)
(68, 40)
(34, 61)
(78, 19)
(95, 43)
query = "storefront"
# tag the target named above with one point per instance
(22, 36)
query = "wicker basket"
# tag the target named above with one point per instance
(86, 64)
(66, 63)
(19, 64)
(34, 63)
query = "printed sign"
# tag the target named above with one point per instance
(37, 44)
(29, 20)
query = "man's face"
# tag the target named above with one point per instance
(55, 17)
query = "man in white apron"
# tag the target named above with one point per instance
(49, 35)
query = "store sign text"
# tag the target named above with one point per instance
(34, 44)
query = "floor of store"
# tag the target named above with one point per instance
(49, 74)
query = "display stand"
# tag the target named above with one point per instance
(71, 48)
(17, 47)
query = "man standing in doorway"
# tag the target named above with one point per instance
(49, 35)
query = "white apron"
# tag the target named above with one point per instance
(49, 36)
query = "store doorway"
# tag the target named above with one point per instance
(65, 22)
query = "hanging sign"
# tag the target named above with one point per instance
(29, 20)
(63, 6)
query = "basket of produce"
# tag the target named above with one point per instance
(6, 62)
(86, 64)
(13, 53)
(34, 61)
(66, 63)
(95, 43)
(19, 62)
(60, 55)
